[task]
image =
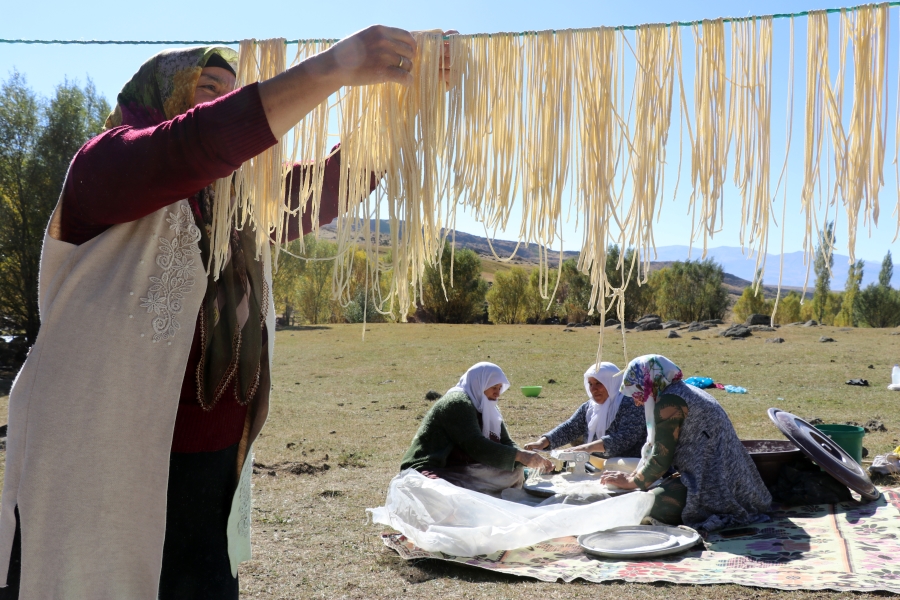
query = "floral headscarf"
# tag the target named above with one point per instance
(232, 314)
(646, 378)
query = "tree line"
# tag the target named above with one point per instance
(684, 291)
(876, 305)
(303, 286)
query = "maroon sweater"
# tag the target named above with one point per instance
(125, 174)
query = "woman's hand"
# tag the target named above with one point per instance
(542, 443)
(619, 479)
(377, 54)
(534, 460)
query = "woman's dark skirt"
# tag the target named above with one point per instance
(195, 562)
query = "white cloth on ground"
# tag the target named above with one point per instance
(438, 516)
(886, 463)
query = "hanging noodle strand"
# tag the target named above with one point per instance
(528, 118)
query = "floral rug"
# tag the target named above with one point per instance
(847, 546)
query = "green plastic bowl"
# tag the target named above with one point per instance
(532, 391)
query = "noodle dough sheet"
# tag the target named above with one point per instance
(566, 484)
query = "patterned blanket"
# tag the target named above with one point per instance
(848, 546)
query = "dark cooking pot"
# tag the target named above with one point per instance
(769, 455)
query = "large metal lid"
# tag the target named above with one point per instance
(825, 453)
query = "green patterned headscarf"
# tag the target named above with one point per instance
(232, 314)
(163, 87)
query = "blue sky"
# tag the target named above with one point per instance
(110, 66)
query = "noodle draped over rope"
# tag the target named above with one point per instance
(530, 118)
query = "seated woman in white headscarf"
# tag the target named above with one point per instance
(716, 484)
(463, 439)
(609, 423)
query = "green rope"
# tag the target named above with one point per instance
(802, 13)
(146, 42)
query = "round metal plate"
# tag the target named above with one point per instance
(638, 541)
(828, 455)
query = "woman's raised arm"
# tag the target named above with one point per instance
(377, 54)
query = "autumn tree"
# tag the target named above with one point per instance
(823, 264)
(508, 297)
(879, 304)
(847, 316)
(537, 307)
(38, 138)
(690, 291)
(315, 298)
(461, 302)
(788, 309)
(751, 302)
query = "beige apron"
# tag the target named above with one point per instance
(92, 411)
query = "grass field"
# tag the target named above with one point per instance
(354, 405)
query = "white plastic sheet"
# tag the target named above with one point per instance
(440, 517)
(886, 463)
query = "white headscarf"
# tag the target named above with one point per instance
(601, 416)
(480, 377)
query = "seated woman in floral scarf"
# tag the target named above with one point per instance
(716, 484)
(464, 440)
(608, 423)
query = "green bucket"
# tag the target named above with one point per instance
(848, 437)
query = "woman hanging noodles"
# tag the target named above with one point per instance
(131, 421)
(464, 440)
(719, 485)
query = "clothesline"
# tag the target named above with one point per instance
(801, 13)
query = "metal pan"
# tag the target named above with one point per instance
(638, 541)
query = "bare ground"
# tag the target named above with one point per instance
(355, 405)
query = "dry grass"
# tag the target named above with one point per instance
(360, 403)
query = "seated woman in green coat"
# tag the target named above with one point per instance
(463, 439)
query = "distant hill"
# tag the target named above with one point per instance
(526, 254)
(734, 261)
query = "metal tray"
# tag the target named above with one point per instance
(638, 541)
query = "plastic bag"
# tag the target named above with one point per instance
(735, 389)
(700, 382)
(438, 516)
(886, 463)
